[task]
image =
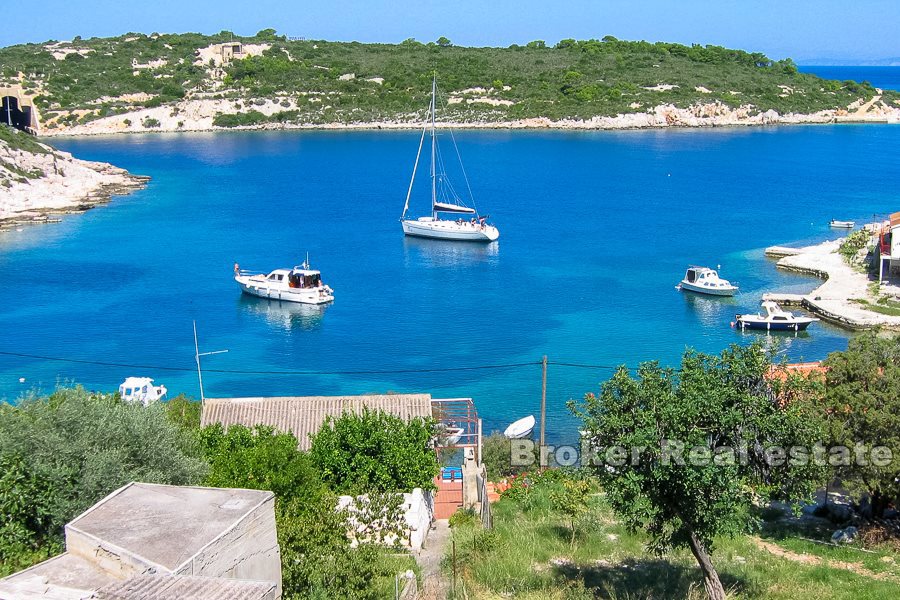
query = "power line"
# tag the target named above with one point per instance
(247, 372)
(583, 366)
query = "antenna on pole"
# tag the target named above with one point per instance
(197, 355)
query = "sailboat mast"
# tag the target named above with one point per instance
(433, 142)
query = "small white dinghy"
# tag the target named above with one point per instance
(520, 429)
(842, 224)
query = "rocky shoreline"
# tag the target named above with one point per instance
(36, 186)
(197, 115)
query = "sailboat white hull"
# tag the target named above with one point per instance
(440, 229)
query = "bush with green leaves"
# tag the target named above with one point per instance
(24, 521)
(317, 558)
(862, 406)
(67, 451)
(375, 451)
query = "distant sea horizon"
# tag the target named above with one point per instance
(886, 78)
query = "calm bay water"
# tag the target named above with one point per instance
(596, 230)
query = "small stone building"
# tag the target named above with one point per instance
(171, 539)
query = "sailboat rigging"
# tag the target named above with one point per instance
(444, 198)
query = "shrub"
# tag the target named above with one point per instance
(853, 243)
(81, 446)
(375, 452)
(464, 517)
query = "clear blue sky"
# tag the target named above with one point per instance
(801, 29)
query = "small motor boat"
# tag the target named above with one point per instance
(141, 390)
(520, 429)
(842, 224)
(300, 284)
(774, 319)
(706, 281)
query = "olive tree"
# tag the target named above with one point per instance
(684, 454)
(862, 405)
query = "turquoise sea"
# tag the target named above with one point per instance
(596, 231)
(886, 78)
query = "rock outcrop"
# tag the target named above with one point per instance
(37, 181)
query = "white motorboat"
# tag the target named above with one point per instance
(842, 224)
(141, 389)
(300, 284)
(774, 319)
(520, 429)
(469, 226)
(706, 281)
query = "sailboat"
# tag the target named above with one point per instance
(469, 226)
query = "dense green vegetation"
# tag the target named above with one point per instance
(317, 81)
(375, 452)
(703, 436)
(61, 454)
(862, 399)
(317, 558)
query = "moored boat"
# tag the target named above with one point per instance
(774, 319)
(469, 226)
(520, 429)
(300, 284)
(141, 389)
(706, 281)
(842, 224)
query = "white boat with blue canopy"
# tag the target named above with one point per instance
(469, 225)
(706, 281)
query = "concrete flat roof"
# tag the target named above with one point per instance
(164, 524)
(63, 577)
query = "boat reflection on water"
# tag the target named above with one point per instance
(286, 315)
(712, 311)
(443, 253)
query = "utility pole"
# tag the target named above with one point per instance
(197, 355)
(543, 407)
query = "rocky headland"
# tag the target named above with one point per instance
(38, 181)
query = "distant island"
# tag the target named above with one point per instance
(192, 82)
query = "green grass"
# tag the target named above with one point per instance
(889, 308)
(19, 140)
(528, 555)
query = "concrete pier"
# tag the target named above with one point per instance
(833, 300)
(782, 251)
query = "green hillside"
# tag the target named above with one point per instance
(318, 81)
